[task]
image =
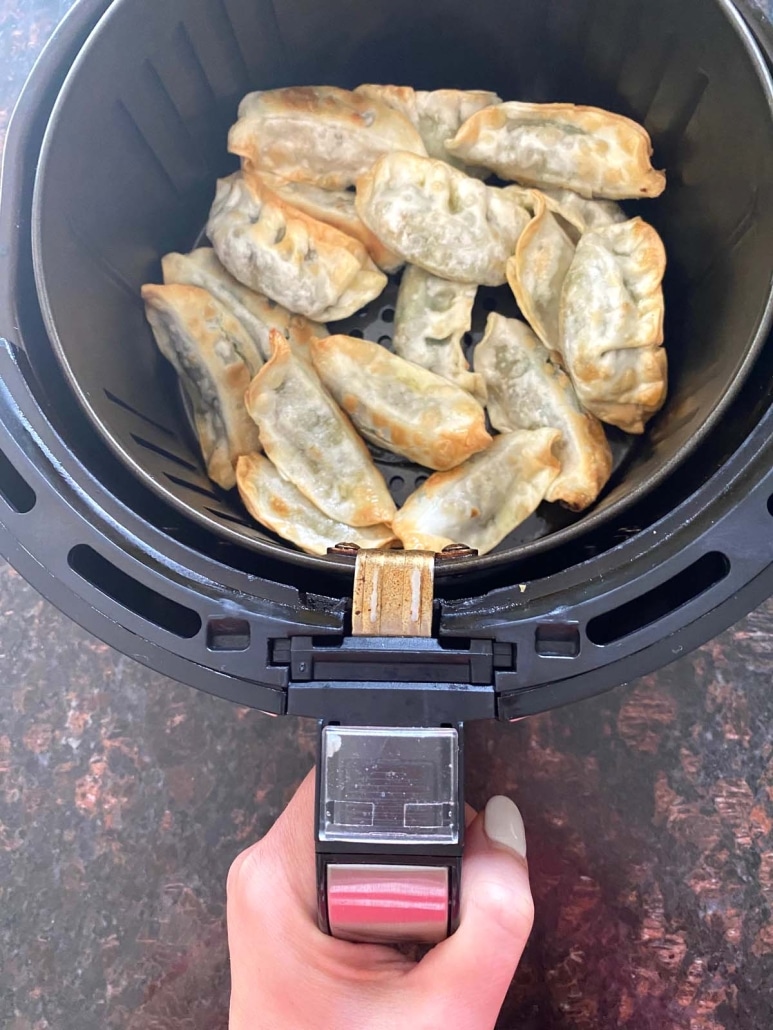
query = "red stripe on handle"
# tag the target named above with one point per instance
(360, 897)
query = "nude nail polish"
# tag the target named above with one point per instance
(503, 825)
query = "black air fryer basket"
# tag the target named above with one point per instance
(106, 508)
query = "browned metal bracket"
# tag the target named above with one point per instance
(393, 594)
(394, 590)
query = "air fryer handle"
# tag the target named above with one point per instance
(389, 833)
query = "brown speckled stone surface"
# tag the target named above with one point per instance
(124, 798)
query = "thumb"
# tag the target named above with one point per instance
(473, 968)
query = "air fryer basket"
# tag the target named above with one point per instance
(138, 138)
(669, 559)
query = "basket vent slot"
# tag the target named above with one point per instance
(202, 490)
(557, 640)
(689, 108)
(154, 160)
(162, 452)
(228, 634)
(676, 592)
(230, 518)
(134, 411)
(15, 491)
(129, 592)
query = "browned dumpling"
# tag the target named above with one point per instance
(526, 390)
(612, 324)
(305, 265)
(537, 271)
(318, 134)
(215, 358)
(257, 313)
(336, 208)
(582, 214)
(279, 506)
(440, 219)
(437, 114)
(313, 444)
(593, 152)
(431, 317)
(481, 502)
(400, 406)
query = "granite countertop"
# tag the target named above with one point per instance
(124, 797)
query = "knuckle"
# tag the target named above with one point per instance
(249, 878)
(507, 907)
(234, 874)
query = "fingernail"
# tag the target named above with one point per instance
(503, 824)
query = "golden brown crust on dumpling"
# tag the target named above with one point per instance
(279, 506)
(481, 502)
(312, 442)
(442, 220)
(401, 406)
(585, 149)
(336, 208)
(612, 324)
(537, 270)
(528, 391)
(215, 359)
(306, 265)
(318, 134)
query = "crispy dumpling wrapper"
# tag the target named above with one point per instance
(442, 220)
(257, 313)
(318, 134)
(437, 114)
(279, 506)
(313, 444)
(400, 406)
(612, 324)
(481, 502)
(581, 214)
(215, 359)
(305, 265)
(527, 391)
(537, 271)
(431, 317)
(336, 208)
(585, 149)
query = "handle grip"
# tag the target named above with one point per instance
(389, 833)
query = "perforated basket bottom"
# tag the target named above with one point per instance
(376, 323)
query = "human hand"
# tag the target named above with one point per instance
(288, 975)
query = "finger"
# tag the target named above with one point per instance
(279, 871)
(272, 890)
(478, 962)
